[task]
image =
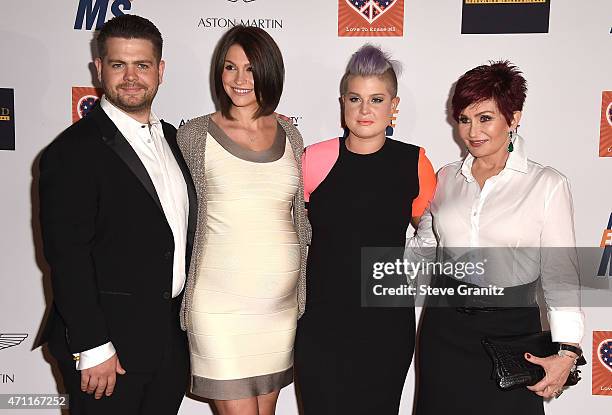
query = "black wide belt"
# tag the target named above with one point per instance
(470, 298)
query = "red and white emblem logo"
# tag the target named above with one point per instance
(605, 353)
(371, 9)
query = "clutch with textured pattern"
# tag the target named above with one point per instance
(510, 368)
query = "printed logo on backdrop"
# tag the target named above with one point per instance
(370, 18)
(7, 378)
(605, 266)
(8, 340)
(7, 119)
(183, 122)
(293, 119)
(505, 16)
(93, 13)
(602, 363)
(84, 98)
(227, 22)
(605, 127)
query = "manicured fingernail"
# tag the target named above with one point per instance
(527, 355)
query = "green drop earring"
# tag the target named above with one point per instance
(511, 144)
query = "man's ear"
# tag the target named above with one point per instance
(98, 63)
(162, 67)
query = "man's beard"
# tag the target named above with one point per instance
(130, 103)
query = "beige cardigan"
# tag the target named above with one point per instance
(192, 141)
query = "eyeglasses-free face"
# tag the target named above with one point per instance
(368, 106)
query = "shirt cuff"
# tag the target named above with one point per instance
(566, 324)
(93, 357)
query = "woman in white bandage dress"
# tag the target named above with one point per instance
(241, 303)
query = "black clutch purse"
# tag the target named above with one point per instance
(511, 370)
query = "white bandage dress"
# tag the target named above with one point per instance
(244, 310)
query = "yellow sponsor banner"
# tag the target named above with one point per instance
(503, 1)
(5, 118)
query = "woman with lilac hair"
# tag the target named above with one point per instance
(361, 190)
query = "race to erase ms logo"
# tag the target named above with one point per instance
(84, 98)
(370, 18)
(605, 126)
(93, 12)
(605, 266)
(602, 363)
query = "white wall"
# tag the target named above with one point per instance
(43, 56)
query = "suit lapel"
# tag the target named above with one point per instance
(170, 136)
(117, 142)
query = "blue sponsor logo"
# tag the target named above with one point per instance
(606, 257)
(93, 12)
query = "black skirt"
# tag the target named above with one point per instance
(453, 369)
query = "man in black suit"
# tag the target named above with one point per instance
(118, 217)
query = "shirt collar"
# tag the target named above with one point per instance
(128, 126)
(517, 160)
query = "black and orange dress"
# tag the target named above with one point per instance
(351, 359)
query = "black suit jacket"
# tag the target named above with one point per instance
(108, 244)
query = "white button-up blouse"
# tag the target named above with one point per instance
(525, 212)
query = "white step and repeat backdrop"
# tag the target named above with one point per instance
(45, 50)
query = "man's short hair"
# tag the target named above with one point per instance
(129, 26)
(266, 60)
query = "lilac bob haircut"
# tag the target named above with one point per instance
(368, 61)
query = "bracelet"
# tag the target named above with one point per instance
(574, 349)
(563, 353)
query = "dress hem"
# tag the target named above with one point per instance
(231, 389)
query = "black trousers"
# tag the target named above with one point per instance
(137, 393)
